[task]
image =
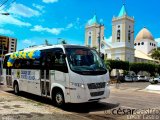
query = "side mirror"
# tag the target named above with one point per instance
(63, 56)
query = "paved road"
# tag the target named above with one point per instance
(127, 96)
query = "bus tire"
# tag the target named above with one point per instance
(58, 98)
(16, 88)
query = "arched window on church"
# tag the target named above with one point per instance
(89, 41)
(102, 46)
(118, 35)
(129, 36)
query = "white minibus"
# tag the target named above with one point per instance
(64, 73)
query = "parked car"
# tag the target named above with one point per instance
(130, 78)
(155, 80)
(142, 78)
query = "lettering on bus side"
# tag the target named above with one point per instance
(28, 74)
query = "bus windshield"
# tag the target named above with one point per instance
(85, 61)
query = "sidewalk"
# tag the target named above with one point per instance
(14, 107)
(149, 88)
(119, 87)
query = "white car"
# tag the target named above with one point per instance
(155, 80)
(130, 78)
(141, 78)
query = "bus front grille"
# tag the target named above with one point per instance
(93, 94)
(96, 85)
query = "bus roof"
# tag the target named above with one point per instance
(43, 47)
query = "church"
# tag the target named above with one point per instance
(123, 45)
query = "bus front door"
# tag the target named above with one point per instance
(45, 83)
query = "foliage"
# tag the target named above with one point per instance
(117, 64)
(47, 43)
(63, 42)
(156, 54)
(135, 67)
(148, 67)
(95, 47)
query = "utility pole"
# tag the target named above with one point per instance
(2, 48)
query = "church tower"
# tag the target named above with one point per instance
(123, 36)
(94, 33)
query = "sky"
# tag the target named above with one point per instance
(34, 21)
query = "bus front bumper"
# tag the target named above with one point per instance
(85, 95)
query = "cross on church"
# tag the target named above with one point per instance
(124, 1)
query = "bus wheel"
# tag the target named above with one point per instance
(58, 99)
(16, 88)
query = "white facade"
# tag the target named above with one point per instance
(145, 45)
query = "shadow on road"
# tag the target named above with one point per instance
(90, 107)
(71, 107)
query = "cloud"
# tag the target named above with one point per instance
(70, 25)
(12, 20)
(5, 31)
(22, 10)
(39, 7)
(158, 40)
(39, 28)
(55, 31)
(28, 42)
(50, 1)
(77, 24)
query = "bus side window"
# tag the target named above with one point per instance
(36, 64)
(60, 62)
(5, 61)
(17, 64)
(49, 60)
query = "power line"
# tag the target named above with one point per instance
(7, 5)
(4, 3)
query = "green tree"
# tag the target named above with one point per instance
(148, 67)
(63, 42)
(117, 64)
(95, 47)
(135, 67)
(156, 54)
(47, 43)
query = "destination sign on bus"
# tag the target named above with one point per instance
(27, 74)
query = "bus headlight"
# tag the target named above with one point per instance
(78, 85)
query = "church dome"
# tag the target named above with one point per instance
(144, 34)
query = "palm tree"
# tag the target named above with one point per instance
(47, 43)
(63, 42)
